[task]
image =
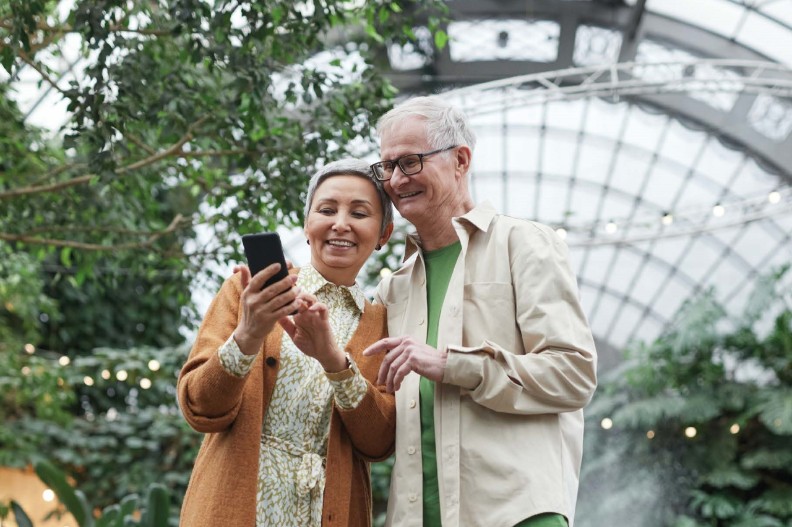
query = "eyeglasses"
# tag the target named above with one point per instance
(409, 164)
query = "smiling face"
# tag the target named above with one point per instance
(438, 190)
(343, 227)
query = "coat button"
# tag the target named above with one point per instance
(271, 361)
(412, 403)
(413, 497)
(411, 450)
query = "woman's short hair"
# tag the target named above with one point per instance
(351, 166)
(446, 125)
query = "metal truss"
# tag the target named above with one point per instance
(620, 79)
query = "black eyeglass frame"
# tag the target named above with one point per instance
(397, 162)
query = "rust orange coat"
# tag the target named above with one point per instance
(230, 411)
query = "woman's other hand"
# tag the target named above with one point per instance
(311, 332)
(261, 308)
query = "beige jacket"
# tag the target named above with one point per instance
(521, 366)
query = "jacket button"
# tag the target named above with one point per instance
(271, 361)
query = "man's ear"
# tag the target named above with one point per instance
(463, 156)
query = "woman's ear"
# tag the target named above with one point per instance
(387, 234)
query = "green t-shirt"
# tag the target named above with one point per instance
(439, 267)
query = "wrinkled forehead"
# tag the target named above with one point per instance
(407, 136)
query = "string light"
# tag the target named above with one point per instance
(30, 349)
(650, 434)
(88, 381)
(385, 272)
(122, 375)
(145, 383)
(606, 423)
(690, 432)
(48, 495)
(25, 370)
(64, 360)
(153, 365)
(561, 232)
(106, 374)
(693, 218)
(734, 429)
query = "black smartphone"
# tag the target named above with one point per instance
(262, 250)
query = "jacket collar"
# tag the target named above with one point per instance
(479, 217)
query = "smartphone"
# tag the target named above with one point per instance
(262, 250)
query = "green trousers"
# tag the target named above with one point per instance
(544, 520)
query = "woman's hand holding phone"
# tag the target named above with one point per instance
(262, 308)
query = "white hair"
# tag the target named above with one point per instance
(446, 125)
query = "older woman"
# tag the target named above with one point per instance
(289, 405)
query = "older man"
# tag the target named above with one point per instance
(494, 360)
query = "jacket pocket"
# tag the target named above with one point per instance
(489, 314)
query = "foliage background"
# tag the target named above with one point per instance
(699, 423)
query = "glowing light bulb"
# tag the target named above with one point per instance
(88, 381)
(122, 375)
(64, 361)
(105, 374)
(154, 365)
(30, 349)
(48, 495)
(145, 383)
(650, 434)
(385, 272)
(734, 429)
(607, 423)
(690, 432)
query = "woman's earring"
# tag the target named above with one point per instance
(308, 242)
(378, 247)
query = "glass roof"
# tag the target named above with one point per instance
(762, 25)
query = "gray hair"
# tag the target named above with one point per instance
(446, 125)
(351, 166)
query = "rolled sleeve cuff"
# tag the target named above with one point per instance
(233, 360)
(349, 386)
(465, 366)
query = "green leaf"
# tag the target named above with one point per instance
(74, 500)
(20, 516)
(440, 38)
(776, 412)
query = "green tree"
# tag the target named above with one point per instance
(191, 114)
(696, 429)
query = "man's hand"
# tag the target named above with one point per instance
(403, 355)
